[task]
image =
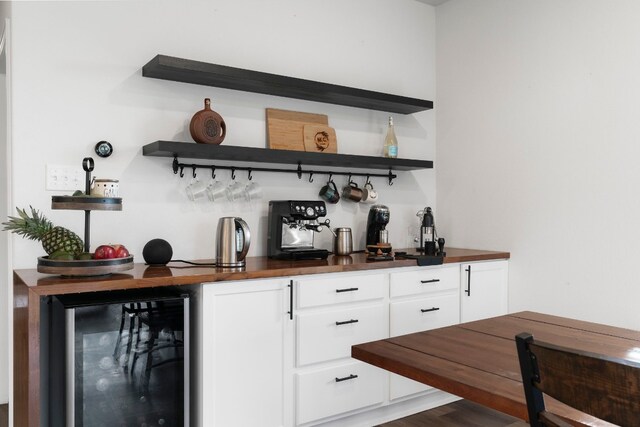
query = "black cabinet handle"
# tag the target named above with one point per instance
(468, 290)
(350, 377)
(430, 281)
(346, 322)
(346, 290)
(426, 310)
(290, 312)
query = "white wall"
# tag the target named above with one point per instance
(5, 270)
(77, 80)
(537, 117)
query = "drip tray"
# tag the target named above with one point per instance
(422, 260)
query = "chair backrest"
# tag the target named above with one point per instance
(602, 386)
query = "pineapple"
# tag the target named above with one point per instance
(37, 227)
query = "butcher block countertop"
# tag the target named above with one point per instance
(144, 276)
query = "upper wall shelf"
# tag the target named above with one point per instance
(188, 71)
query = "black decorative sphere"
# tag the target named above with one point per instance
(157, 252)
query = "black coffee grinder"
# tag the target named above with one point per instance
(378, 246)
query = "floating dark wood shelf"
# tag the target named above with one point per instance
(265, 155)
(202, 73)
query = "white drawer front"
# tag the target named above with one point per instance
(417, 315)
(433, 279)
(400, 386)
(329, 335)
(335, 289)
(337, 390)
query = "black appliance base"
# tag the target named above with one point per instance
(379, 258)
(423, 260)
(299, 254)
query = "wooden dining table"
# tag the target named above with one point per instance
(478, 360)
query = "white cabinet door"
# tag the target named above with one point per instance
(247, 354)
(422, 314)
(483, 290)
(338, 389)
(417, 315)
(433, 302)
(329, 335)
(426, 280)
(342, 288)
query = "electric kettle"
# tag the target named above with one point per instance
(233, 242)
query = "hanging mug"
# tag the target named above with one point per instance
(369, 195)
(352, 192)
(329, 192)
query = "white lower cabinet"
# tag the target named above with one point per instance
(483, 290)
(338, 389)
(423, 299)
(277, 352)
(335, 312)
(247, 347)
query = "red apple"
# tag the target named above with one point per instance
(121, 251)
(104, 252)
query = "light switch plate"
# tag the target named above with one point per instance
(64, 178)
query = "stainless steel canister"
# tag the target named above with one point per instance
(343, 241)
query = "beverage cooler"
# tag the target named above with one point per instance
(116, 358)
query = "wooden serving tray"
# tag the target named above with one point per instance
(285, 129)
(320, 139)
(89, 267)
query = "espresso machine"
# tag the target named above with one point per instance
(292, 224)
(431, 247)
(430, 244)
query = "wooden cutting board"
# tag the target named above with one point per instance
(320, 139)
(285, 129)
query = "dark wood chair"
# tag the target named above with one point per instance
(129, 311)
(159, 317)
(601, 386)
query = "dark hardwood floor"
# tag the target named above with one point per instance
(458, 414)
(4, 415)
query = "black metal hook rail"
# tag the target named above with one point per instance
(179, 167)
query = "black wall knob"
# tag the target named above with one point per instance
(104, 149)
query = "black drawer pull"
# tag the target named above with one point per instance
(346, 322)
(346, 290)
(426, 310)
(350, 377)
(290, 312)
(430, 281)
(468, 290)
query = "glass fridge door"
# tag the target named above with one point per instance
(127, 363)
